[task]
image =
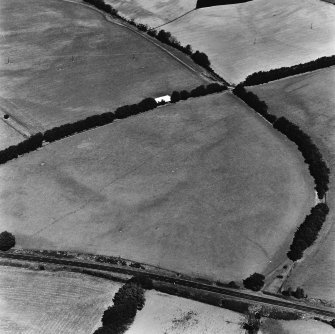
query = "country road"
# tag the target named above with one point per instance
(273, 301)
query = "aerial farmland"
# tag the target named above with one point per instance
(167, 166)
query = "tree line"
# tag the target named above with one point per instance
(253, 101)
(126, 302)
(317, 166)
(65, 130)
(163, 36)
(262, 77)
(308, 231)
(209, 3)
(197, 92)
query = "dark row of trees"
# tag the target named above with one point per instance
(308, 231)
(197, 92)
(62, 131)
(317, 166)
(100, 4)
(209, 3)
(253, 101)
(65, 130)
(7, 241)
(283, 72)
(28, 145)
(163, 36)
(127, 301)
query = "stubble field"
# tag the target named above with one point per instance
(244, 38)
(204, 187)
(309, 101)
(61, 62)
(48, 303)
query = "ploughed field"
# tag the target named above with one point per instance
(309, 101)
(61, 62)
(243, 38)
(48, 303)
(204, 187)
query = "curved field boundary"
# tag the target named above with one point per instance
(109, 18)
(189, 283)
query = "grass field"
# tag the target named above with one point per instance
(165, 314)
(203, 187)
(60, 62)
(309, 101)
(48, 303)
(8, 136)
(270, 326)
(248, 37)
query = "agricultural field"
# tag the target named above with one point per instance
(165, 314)
(47, 303)
(309, 101)
(8, 136)
(60, 62)
(270, 326)
(244, 38)
(204, 187)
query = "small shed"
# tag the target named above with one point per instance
(165, 98)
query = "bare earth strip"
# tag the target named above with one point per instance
(61, 62)
(203, 187)
(248, 37)
(49, 303)
(164, 314)
(309, 101)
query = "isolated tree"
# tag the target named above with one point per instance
(7, 241)
(254, 282)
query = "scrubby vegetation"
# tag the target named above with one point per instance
(307, 232)
(254, 282)
(283, 72)
(7, 241)
(210, 3)
(299, 293)
(127, 301)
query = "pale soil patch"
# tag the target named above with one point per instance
(248, 37)
(164, 314)
(49, 303)
(270, 326)
(67, 62)
(309, 101)
(204, 187)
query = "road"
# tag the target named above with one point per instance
(272, 301)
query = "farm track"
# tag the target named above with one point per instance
(204, 75)
(176, 281)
